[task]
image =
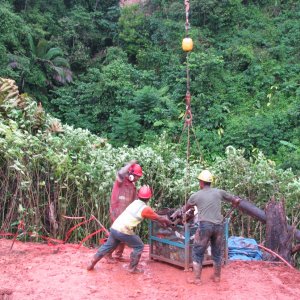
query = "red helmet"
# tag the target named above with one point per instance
(136, 169)
(145, 192)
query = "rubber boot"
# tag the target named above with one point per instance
(197, 268)
(92, 263)
(119, 252)
(134, 260)
(110, 259)
(217, 273)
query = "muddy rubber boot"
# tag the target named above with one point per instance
(217, 274)
(92, 264)
(110, 259)
(119, 252)
(134, 260)
(197, 269)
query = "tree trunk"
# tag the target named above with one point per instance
(278, 236)
(246, 207)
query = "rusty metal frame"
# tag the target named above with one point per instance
(186, 246)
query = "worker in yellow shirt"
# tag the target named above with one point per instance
(122, 230)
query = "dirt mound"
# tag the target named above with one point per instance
(38, 271)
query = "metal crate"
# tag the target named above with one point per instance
(174, 244)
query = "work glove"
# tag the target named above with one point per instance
(132, 162)
(164, 221)
(236, 202)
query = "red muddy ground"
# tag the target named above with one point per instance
(38, 271)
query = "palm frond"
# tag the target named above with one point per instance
(52, 53)
(41, 48)
(63, 75)
(60, 62)
(31, 44)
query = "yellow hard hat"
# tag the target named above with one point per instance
(206, 176)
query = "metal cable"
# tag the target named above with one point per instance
(188, 111)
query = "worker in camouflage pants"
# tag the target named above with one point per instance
(208, 202)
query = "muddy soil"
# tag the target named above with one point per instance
(39, 271)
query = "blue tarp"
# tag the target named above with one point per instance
(240, 248)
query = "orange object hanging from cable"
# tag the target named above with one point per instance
(187, 44)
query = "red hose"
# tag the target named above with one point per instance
(277, 255)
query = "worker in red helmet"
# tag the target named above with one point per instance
(123, 193)
(122, 228)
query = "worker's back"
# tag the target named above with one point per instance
(208, 202)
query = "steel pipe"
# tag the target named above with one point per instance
(251, 210)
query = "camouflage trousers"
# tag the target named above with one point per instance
(208, 232)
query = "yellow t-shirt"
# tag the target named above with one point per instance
(130, 217)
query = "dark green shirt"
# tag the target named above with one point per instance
(208, 202)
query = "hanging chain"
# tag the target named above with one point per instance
(188, 113)
(188, 117)
(187, 9)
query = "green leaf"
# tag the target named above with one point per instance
(288, 144)
(158, 123)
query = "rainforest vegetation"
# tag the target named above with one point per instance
(97, 84)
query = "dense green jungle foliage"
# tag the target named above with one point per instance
(117, 77)
(121, 73)
(49, 170)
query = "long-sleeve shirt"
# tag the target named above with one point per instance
(123, 193)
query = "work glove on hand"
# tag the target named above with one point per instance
(236, 202)
(132, 162)
(164, 221)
